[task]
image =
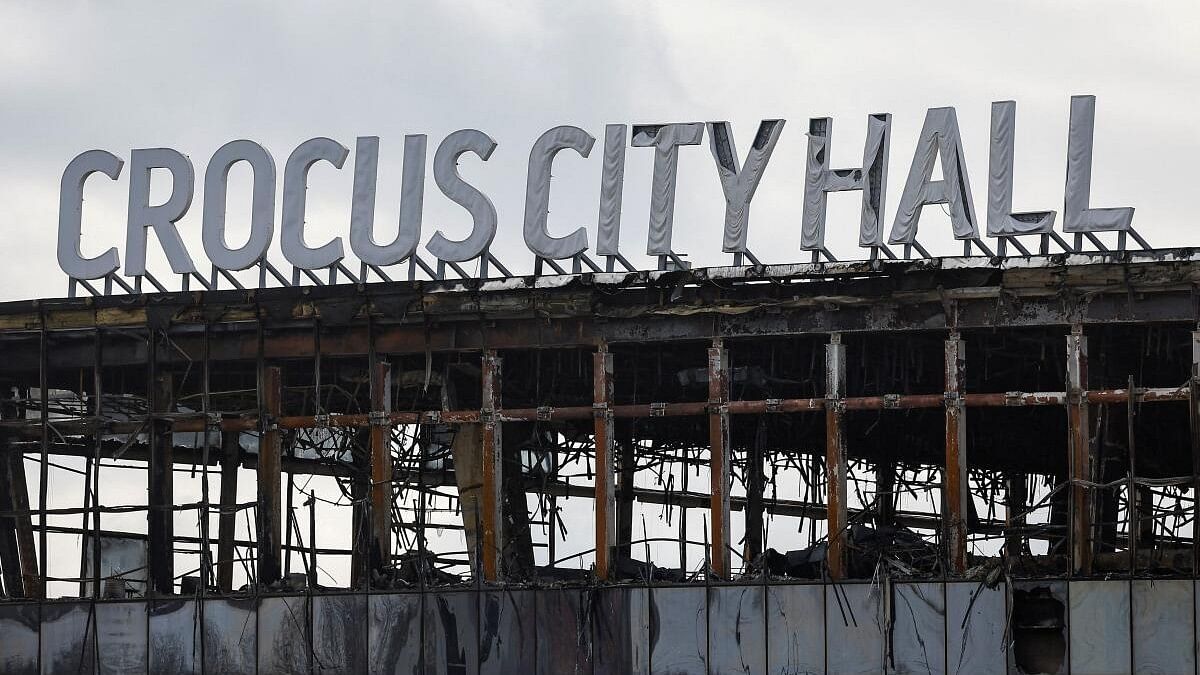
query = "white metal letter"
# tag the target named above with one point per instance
(665, 139)
(295, 187)
(262, 205)
(70, 216)
(871, 178)
(412, 196)
(483, 213)
(739, 182)
(1078, 215)
(163, 217)
(537, 193)
(1001, 221)
(939, 138)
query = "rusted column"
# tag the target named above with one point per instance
(269, 524)
(1194, 421)
(606, 507)
(491, 520)
(227, 521)
(719, 459)
(835, 453)
(1078, 443)
(958, 492)
(161, 517)
(381, 465)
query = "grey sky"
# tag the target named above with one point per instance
(191, 77)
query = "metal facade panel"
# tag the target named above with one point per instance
(976, 618)
(230, 635)
(737, 640)
(919, 629)
(621, 631)
(283, 635)
(339, 633)
(451, 642)
(394, 634)
(19, 638)
(1099, 627)
(564, 632)
(1164, 626)
(796, 629)
(507, 631)
(854, 639)
(121, 633)
(68, 638)
(678, 631)
(175, 645)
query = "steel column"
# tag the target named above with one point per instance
(270, 479)
(835, 454)
(492, 522)
(606, 507)
(10, 556)
(161, 517)
(719, 458)
(1079, 446)
(381, 465)
(957, 488)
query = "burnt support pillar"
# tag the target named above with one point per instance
(227, 521)
(719, 458)
(957, 492)
(1016, 499)
(1194, 422)
(606, 508)
(491, 521)
(1079, 445)
(628, 450)
(835, 454)
(269, 523)
(381, 466)
(10, 555)
(161, 525)
(755, 487)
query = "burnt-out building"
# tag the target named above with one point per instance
(956, 465)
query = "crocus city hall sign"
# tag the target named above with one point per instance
(739, 178)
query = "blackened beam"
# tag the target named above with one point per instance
(381, 465)
(835, 456)
(957, 489)
(1080, 452)
(605, 444)
(191, 422)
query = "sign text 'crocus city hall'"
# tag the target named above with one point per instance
(739, 177)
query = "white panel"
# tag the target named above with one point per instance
(1163, 626)
(796, 629)
(121, 634)
(854, 639)
(174, 637)
(394, 642)
(919, 631)
(19, 637)
(1099, 627)
(736, 630)
(975, 620)
(678, 631)
(64, 649)
(230, 635)
(282, 635)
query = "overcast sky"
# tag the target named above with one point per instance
(119, 76)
